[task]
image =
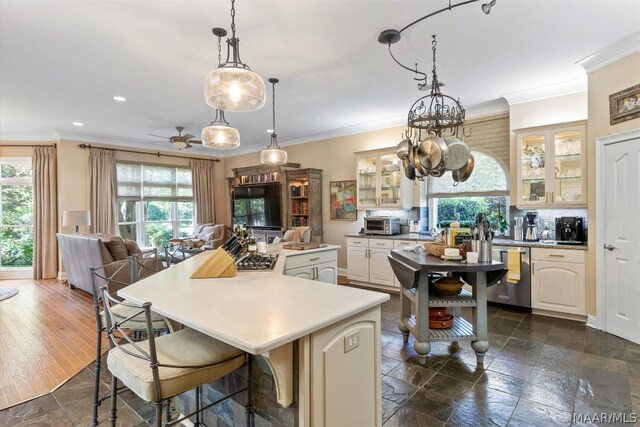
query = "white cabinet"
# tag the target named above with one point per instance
(317, 265)
(558, 280)
(551, 168)
(381, 183)
(367, 260)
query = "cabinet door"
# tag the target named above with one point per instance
(380, 271)
(558, 286)
(569, 168)
(532, 169)
(391, 182)
(301, 272)
(327, 272)
(367, 182)
(357, 263)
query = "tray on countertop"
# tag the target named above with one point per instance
(303, 246)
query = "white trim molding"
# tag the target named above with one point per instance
(342, 272)
(612, 53)
(601, 143)
(592, 322)
(30, 137)
(548, 91)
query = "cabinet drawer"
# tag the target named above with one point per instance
(381, 243)
(358, 241)
(303, 260)
(402, 243)
(561, 255)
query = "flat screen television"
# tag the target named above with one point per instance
(257, 205)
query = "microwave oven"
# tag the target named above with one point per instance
(381, 225)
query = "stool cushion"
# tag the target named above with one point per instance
(185, 347)
(137, 323)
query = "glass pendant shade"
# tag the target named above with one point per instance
(221, 137)
(234, 89)
(273, 156)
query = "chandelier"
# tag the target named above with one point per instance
(273, 154)
(233, 86)
(219, 135)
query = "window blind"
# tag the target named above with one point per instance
(489, 143)
(153, 182)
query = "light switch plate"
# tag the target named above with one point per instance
(351, 341)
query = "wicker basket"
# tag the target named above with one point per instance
(435, 249)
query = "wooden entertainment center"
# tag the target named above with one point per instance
(300, 196)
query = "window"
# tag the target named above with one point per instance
(16, 213)
(487, 190)
(155, 203)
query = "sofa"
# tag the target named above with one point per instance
(213, 235)
(83, 251)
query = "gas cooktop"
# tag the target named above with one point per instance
(255, 262)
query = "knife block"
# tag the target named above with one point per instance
(218, 264)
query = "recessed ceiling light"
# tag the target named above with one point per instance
(269, 130)
(78, 124)
(119, 98)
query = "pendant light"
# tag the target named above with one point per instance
(219, 135)
(233, 86)
(273, 155)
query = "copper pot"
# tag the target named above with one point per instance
(463, 174)
(432, 152)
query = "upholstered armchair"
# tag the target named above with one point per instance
(298, 234)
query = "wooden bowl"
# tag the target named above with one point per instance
(448, 286)
(440, 318)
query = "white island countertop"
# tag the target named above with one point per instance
(253, 311)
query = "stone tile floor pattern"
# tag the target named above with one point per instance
(539, 371)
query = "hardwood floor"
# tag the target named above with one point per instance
(47, 335)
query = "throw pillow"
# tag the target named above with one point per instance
(206, 231)
(132, 247)
(288, 235)
(117, 248)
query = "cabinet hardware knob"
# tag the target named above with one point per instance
(557, 255)
(314, 258)
(609, 247)
(533, 268)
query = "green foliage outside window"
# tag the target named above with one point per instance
(468, 207)
(16, 230)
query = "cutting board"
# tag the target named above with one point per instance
(303, 246)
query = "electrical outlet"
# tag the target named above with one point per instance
(351, 341)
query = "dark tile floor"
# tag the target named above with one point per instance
(539, 371)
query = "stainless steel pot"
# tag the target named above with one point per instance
(463, 174)
(432, 152)
(402, 150)
(420, 170)
(409, 170)
(457, 155)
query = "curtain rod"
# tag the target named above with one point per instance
(28, 145)
(157, 154)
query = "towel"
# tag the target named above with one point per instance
(513, 264)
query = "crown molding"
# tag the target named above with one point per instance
(612, 53)
(490, 108)
(548, 91)
(30, 137)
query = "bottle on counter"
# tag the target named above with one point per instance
(252, 244)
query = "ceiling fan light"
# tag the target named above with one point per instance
(179, 144)
(273, 156)
(234, 89)
(220, 137)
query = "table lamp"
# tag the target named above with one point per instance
(76, 218)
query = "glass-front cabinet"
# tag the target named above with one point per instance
(551, 166)
(381, 183)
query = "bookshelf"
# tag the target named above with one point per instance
(304, 201)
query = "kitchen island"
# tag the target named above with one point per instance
(268, 314)
(413, 270)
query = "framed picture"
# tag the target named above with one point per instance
(343, 200)
(624, 105)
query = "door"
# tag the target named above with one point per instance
(380, 271)
(327, 272)
(621, 193)
(301, 272)
(358, 263)
(558, 286)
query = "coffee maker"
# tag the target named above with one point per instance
(570, 230)
(531, 233)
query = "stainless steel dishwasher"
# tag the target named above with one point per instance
(514, 295)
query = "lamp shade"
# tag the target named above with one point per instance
(234, 89)
(273, 156)
(76, 218)
(220, 137)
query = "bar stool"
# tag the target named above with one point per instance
(114, 276)
(160, 368)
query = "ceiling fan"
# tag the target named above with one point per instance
(179, 141)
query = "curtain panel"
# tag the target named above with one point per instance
(45, 213)
(202, 177)
(102, 190)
